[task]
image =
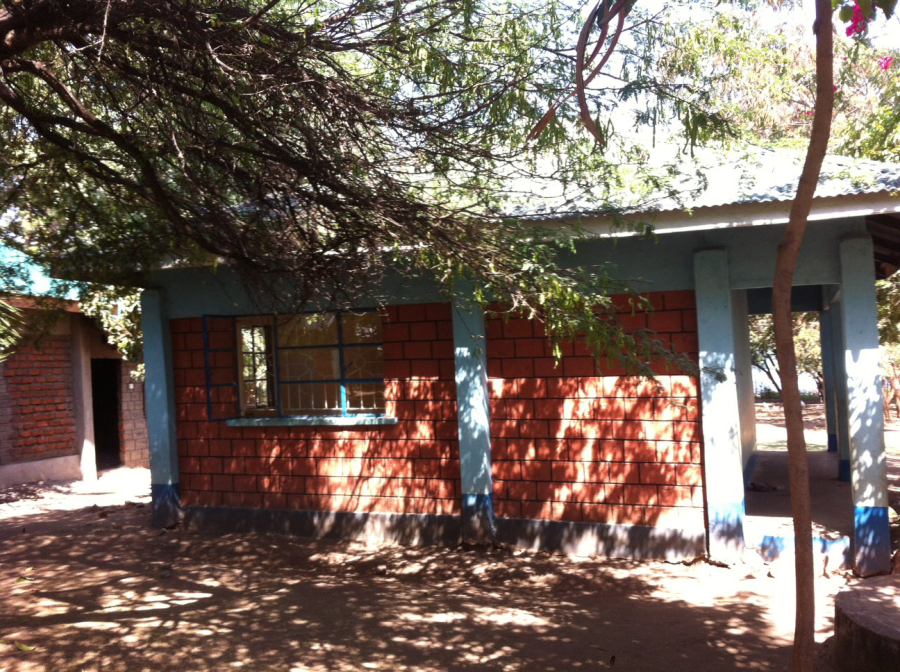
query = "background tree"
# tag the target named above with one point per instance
(807, 345)
(10, 325)
(762, 80)
(889, 337)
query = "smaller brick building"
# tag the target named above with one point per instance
(68, 405)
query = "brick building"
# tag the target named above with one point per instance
(428, 420)
(68, 405)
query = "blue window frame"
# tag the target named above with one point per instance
(309, 364)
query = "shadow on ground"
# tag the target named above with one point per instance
(33, 491)
(111, 593)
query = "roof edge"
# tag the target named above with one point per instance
(736, 215)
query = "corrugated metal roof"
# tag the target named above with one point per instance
(712, 178)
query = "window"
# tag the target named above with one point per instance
(311, 364)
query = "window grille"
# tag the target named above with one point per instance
(310, 364)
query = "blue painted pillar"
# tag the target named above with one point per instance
(720, 408)
(470, 343)
(872, 543)
(842, 417)
(159, 390)
(827, 344)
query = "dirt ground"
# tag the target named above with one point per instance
(771, 413)
(96, 588)
(771, 435)
(87, 583)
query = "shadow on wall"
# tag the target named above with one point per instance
(639, 542)
(189, 601)
(408, 529)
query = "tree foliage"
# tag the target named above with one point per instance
(10, 328)
(807, 346)
(763, 80)
(314, 142)
(118, 312)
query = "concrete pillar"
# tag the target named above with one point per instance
(160, 403)
(826, 340)
(720, 410)
(84, 398)
(743, 368)
(842, 418)
(865, 407)
(470, 343)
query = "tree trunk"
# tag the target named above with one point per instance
(804, 629)
(892, 394)
(774, 378)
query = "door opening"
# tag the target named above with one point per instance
(105, 392)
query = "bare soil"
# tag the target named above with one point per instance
(90, 585)
(772, 413)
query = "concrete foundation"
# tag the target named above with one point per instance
(867, 626)
(51, 469)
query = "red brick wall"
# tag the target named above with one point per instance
(40, 412)
(411, 467)
(581, 443)
(134, 447)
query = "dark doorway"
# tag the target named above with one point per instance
(105, 391)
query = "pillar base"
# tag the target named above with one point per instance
(478, 519)
(166, 504)
(726, 531)
(872, 540)
(845, 472)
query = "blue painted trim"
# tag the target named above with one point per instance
(772, 547)
(196, 291)
(312, 421)
(477, 504)
(750, 468)
(726, 524)
(478, 522)
(276, 362)
(165, 504)
(832, 443)
(845, 471)
(872, 540)
(341, 366)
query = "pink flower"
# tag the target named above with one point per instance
(858, 23)
(885, 62)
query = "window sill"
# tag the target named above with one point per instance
(311, 421)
